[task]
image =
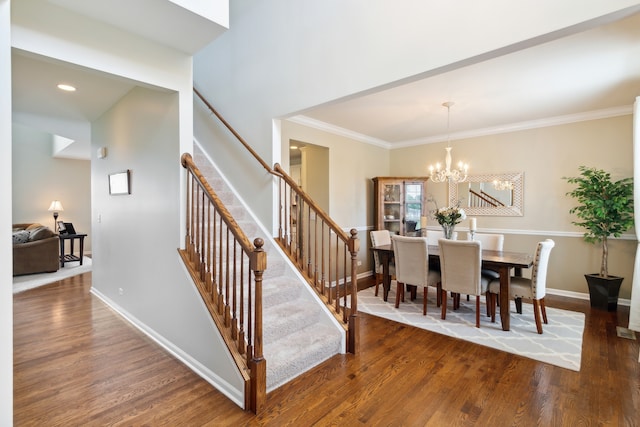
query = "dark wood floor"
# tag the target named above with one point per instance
(76, 363)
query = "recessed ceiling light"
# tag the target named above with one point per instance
(293, 147)
(66, 87)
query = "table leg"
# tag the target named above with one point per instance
(504, 298)
(385, 259)
(81, 248)
(61, 252)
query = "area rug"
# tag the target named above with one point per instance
(70, 269)
(559, 345)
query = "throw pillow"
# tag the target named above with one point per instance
(40, 233)
(33, 226)
(21, 236)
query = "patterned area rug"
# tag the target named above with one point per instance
(30, 281)
(560, 343)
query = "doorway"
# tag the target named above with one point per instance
(309, 167)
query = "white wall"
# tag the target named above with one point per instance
(38, 178)
(6, 296)
(281, 57)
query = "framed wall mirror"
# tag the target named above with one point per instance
(498, 194)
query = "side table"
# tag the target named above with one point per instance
(71, 256)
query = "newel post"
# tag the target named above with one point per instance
(258, 364)
(354, 331)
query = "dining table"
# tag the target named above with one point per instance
(500, 261)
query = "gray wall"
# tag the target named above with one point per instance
(137, 268)
(39, 178)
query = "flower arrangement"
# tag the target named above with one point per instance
(450, 216)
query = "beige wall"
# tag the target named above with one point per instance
(545, 155)
(314, 174)
(352, 164)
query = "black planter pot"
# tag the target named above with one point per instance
(603, 291)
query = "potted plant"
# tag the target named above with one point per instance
(605, 209)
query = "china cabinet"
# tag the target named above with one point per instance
(400, 202)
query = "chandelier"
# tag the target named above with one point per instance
(447, 174)
(502, 185)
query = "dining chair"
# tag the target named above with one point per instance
(434, 235)
(460, 269)
(492, 242)
(412, 266)
(379, 238)
(533, 288)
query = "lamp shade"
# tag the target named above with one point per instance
(56, 206)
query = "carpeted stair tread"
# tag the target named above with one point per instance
(297, 332)
(278, 290)
(289, 317)
(313, 345)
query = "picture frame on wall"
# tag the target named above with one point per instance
(120, 183)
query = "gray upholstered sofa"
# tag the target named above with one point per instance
(35, 249)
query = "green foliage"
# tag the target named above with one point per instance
(605, 206)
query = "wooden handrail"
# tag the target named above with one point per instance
(215, 252)
(316, 208)
(236, 134)
(490, 197)
(310, 248)
(330, 267)
(483, 201)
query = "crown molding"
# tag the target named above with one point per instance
(494, 130)
(337, 130)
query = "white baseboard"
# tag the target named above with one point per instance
(202, 371)
(582, 295)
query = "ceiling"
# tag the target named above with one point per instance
(595, 73)
(592, 73)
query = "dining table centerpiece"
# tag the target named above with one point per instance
(448, 217)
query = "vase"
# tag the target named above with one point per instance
(448, 230)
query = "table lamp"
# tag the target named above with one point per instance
(55, 207)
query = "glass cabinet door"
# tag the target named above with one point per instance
(413, 208)
(393, 208)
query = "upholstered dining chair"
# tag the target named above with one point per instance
(379, 238)
(434, 235)
(412, 266)
(460, 265)
(492, 242)
(534, 288)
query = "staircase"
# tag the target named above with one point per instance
(299, 332)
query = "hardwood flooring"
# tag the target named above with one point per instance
(77, 363)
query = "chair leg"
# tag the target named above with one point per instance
(399, 292)
(518, 301)
(536, 313)
(378, 280)
(444, 304)
(439, 294)
(494, 299)
(477, 311)
(424, 301)
(543, 308)
(487, 298)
